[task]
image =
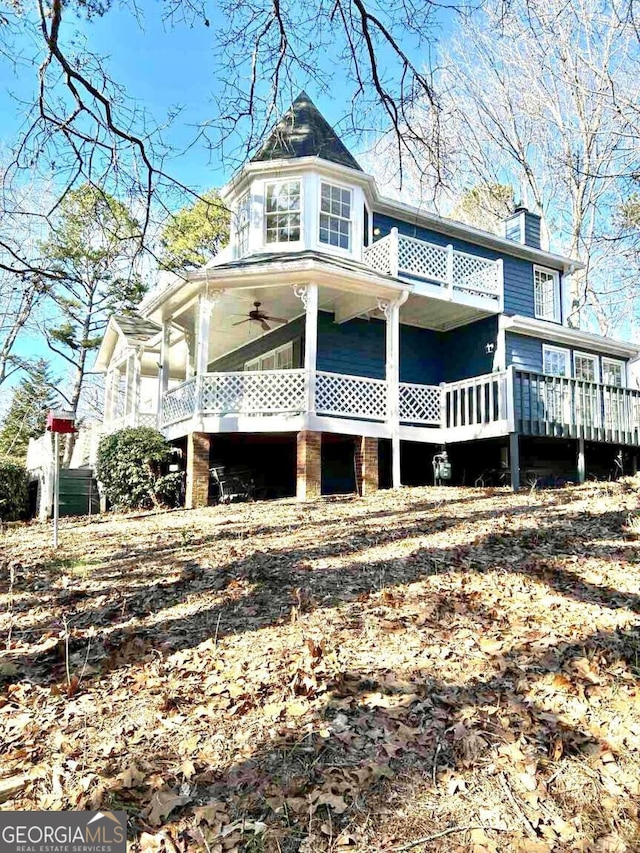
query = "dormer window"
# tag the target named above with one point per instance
(243, 213)
(335, 216)
(282, 215)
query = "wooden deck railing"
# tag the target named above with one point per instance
(561, 406)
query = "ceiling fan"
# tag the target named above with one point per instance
(258, 316)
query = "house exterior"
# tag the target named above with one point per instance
(343, 338)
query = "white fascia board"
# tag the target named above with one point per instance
(570, 337)
(107, 346)
(275, 274)
(277, 168)
(473, 235)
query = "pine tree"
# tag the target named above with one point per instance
(27, 413)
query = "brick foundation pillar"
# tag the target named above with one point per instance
(309, 465)
(197, 491)
(366, 464)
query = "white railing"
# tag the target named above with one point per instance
(252, 392)
(133, 419)
(179, 403)
(343, 395)
(411, 258)
(552, 405)
(420, 404)
(476, 402)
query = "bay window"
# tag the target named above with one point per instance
(335, 216)
(282, 212)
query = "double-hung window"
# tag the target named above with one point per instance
(556, 400)
(612, 372)
(546, 286)
(275, 359)
(335, 216)
(243, 213)
(585, 369)
(282, 213)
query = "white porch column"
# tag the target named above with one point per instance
(391, 312)
(129, 391)
(206, 304)
(108, 396)
(164, 368)
(309, 296)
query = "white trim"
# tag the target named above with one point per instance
(547, 348)
(587, 355)
(572, 337)
(623, 372)
(557, 305)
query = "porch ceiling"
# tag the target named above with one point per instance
(228, 332)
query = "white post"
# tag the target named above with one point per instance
(56, 487)
(308, 294)
(164, 368)
(450, 270)
(394, 252)
(391, 311)
(128, 389)
(203, 327)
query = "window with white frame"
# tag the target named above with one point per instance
(613, 372)
(585, 367)
(546, 286)
(282, 212)
(555, 395)
(243, 214)
(335, 216)
(555, 361)
(280, 358)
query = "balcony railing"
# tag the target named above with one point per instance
(560, 406)
(481, 406)
(456, 272)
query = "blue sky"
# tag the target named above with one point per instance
(161, 67)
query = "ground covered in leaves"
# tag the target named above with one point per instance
(457, 666)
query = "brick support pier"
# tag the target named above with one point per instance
(197, 491)
(309, 465)
(366, 464)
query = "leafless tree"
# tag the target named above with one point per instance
(533, 94)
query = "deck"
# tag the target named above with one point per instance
(480, 407)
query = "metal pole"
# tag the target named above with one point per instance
(56, 488)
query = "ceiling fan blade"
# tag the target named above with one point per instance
(240, 322)
(266, 327)
(277, 319)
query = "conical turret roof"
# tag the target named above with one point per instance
(304, 132)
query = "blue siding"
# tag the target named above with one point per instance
(518, 273)
(420, 356)
(464, 350)
(356, 347)
(526, 353)
(532, 229)
(523, 352)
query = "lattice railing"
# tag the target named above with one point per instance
(419, 404)
(179, 403)
(475, 275)
(421, 259)
(351, 396)
(253, 392)
(410, 258)
(378, 255)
